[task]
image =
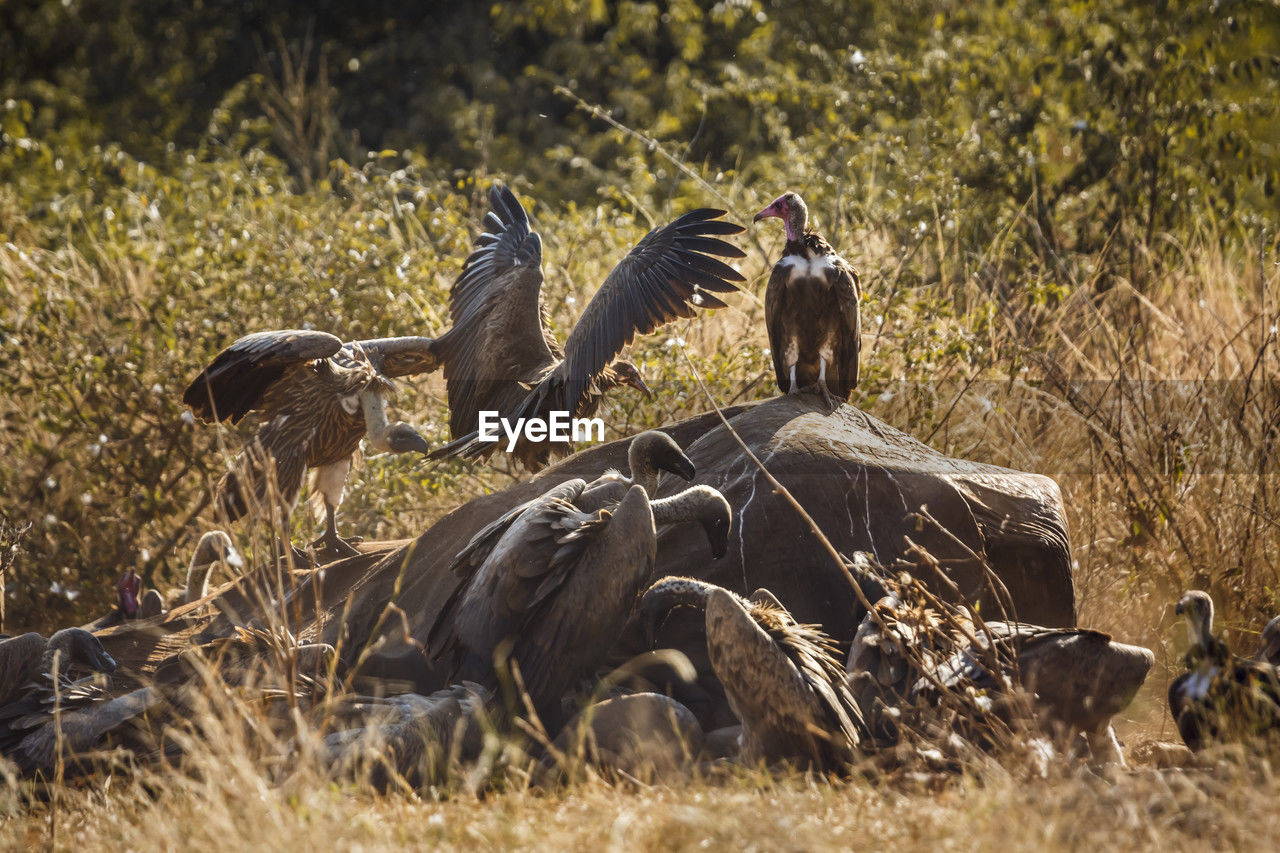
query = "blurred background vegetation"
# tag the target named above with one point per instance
(1064, 214)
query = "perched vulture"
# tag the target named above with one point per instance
(500, 354)
(782, 678)
(549, 586)
(317, 397)
(1221, 697)
(28, 661)
(811, 309)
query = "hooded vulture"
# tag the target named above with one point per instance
(811, 309)
(1221, 697)
(549, 586)
(316, 398)
(500, 354)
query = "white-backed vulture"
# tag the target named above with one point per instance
(417, 736)
(500, 355)
(37, 731)
(1221, 697)
(316, 398)
(1078, 678)
(781, 677)
(550, 588)
(28, 658)
(811, 309)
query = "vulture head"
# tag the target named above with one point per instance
(793, 212)
(654, 450)
(403, 438)
(1197, 606)
(626, 373)
(78, 646)
(704, 505)
(127, 592)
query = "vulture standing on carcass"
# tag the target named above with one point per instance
(811, 309)
(500, 354)
(317, 398)
(1221, 697)
(782, 678)
(29, 660)
(549, 586)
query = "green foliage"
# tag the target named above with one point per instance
(172, 177)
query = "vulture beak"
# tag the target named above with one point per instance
(637, 382)
(403, 438)
(774, 209)
(681, 466)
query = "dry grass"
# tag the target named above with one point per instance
(1152, 403)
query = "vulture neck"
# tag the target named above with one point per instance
(213, 547)
(693, 504)
(58, 646)
(643, 472)
(375, 419)
(670, 593)
(797, 219)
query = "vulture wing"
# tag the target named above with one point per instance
(775, 317)
(405, 356)
(663, 278)
(847, 287)
(499, 336)
(233, 384)
(19, 663)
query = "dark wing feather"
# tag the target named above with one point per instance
(662, 279)
(234, 382)
(499, 336)
(849, 293)
(775, 296)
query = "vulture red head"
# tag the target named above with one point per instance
(793, 212)
(127, 590)
(626, 373)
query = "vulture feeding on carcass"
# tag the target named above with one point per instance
(811, 309)
(1077, 679)
(29, 660)
(500, 355)
(317, 397)
(1221, 697)
(782, 678)
(549, 586)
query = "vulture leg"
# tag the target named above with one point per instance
(791, 388)
(331, 539)
(822, 382)
(330, 481)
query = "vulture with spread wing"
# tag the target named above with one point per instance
(317, 397)
(811, 309)
(500, 354)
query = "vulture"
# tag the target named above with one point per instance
(317, 397)
(1269, 643)
(129, 594)
(811, 309)
(28, 660)
(45, 726)
(550, 585)
(213, 549)
(416, 736)
(782, 678)
(1221, 697)
(501, 356)
(1078, 678)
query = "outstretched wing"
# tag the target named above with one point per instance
(665, 277)
(499, 336)
(404, 356)
(234, 383)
